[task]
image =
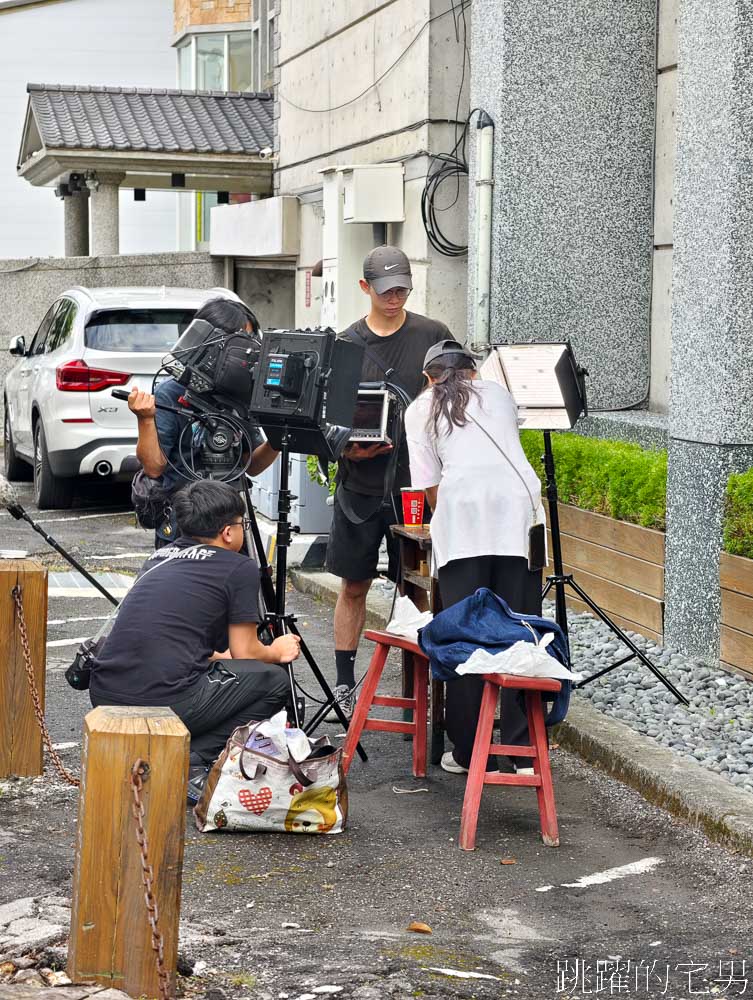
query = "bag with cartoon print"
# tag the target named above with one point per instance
(274, 780)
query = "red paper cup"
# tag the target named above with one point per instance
(413, 507)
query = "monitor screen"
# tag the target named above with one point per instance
(368, 413)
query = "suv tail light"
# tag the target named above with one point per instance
(77, 376)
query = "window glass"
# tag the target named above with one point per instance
(37, 344)
(210, 62)
(240, 61)
(255, 60)
(62, 328)
(140, 331)
(185, 75)
(268, 81)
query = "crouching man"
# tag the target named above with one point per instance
(189, 600)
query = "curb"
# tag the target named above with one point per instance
(681, 787)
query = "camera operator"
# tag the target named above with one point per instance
(159, 430)
(465, 452)
(370, 477)
(190, 600)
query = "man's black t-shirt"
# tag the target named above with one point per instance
(172, 621)
(404, 351)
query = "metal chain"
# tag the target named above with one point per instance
(140, 771)
(54, 757)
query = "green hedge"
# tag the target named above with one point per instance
(738, 519)
(629, 483)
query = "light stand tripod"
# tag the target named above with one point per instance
(277, 619)
(559, 580)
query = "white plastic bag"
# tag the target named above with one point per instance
(407, 619)
(523, 659)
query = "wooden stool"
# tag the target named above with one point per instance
(418, 703)
(483, 746)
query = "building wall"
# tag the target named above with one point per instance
(330, 53)
(193, 13)
(571, 90)
(103, 42)
(27, 290)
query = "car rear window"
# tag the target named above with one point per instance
(140, 331)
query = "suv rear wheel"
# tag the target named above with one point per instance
(13, 466)
(50, 491)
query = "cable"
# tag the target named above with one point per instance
(406, 50)
(448, 166)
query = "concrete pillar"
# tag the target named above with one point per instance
(710, 417)
(105, 215)
(76, 223)
(571, 89)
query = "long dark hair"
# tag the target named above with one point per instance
(451, 392)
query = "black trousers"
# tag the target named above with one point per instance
(510, 578)
(230, 694)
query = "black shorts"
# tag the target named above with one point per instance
(353, 549)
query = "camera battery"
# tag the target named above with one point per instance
(285, 373)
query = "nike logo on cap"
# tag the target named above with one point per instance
(389, 267)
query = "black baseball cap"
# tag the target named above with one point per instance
(445, 347)
(385, 268)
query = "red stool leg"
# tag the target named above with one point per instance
(475, 782)
(420, 711)
(361, 711)
(545, 791)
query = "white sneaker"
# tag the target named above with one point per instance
(448, 763)
(345, 697)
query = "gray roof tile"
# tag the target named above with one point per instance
(171, 121)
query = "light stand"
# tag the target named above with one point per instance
(278, 620)
(560, 580)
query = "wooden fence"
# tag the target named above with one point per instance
(736, 577)
(600, 551)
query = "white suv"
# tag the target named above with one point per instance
(60, 419)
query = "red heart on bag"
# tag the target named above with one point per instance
(255, 803)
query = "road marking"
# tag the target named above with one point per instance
(609, 875)
(85, 592)
(75, 517)
(69, 621)
(124, 555)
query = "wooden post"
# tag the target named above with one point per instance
(20, 738)
(110, 938)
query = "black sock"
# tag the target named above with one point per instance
(345, 661)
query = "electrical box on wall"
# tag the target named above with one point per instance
(373, 193)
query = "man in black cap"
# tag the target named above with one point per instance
(370, 477)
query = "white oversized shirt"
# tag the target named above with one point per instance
(483, 507)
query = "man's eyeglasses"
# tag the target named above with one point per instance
(401, 294)
(244, 523)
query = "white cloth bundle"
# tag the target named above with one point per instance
(407, 619)
(523, 659)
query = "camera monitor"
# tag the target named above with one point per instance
(371, 420)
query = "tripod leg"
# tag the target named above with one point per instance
(291, 679)
(626, 641)
(331, 702)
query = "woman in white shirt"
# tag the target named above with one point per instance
(465, 453)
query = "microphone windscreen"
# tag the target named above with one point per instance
(8, 495)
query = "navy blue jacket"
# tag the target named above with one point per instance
(485, 621)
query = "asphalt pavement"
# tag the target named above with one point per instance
(634, 902)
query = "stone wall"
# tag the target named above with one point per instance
(28, 288)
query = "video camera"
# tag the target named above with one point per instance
(299, 383)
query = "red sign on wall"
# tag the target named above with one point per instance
(308, 289)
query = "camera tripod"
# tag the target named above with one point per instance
(277, 620)
(560, 580)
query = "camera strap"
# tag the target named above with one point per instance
(389, 373)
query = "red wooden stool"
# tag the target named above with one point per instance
(418, 703)
(483, 746)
